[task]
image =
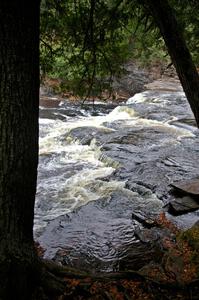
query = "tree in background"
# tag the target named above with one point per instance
(180, 55)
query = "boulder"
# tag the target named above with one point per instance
(187, 186)
(146, 222)
(182, 205)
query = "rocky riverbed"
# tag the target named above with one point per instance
(106, 174)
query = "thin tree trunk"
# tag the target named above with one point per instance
(164, 16)
(19, 98)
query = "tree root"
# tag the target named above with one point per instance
(60, 272)
(64, 271)
(62, 282)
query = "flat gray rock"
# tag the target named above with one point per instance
(188, 186)
(183, 205)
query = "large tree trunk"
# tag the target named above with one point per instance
(164, 17)
(19, 98)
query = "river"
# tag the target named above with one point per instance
(99, 165)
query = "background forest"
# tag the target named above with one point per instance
(87, 44)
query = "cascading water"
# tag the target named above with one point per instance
(95, 170)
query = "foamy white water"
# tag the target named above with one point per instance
(74, 168)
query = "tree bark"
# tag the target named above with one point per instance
(19, 102)
(165, 19)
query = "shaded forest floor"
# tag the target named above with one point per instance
(124, 290)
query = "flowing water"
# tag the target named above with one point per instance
(99, 165)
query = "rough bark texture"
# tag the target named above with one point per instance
(19, 98)
(164, 17)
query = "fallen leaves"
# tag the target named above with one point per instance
(39, 249)
(164, 222)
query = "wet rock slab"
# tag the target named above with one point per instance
(188, 186)
(99, 236)
(182, 205)
(186, 194)
(86, 134)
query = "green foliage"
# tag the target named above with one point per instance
(147, 47)
(75, 45)
(87, 42)
(187, 13)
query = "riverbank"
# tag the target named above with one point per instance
(131, 82)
